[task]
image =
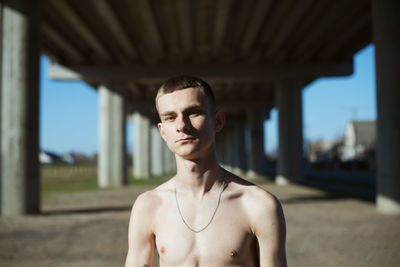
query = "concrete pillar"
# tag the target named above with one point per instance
(219, 143)
(290, 123)
(1, 70)
(228, 147)
(20, 176)
(156, 150)
(239, 155)
(112, 147)
(141, 154)
(168, 159)
(255, 154)
(386, 37)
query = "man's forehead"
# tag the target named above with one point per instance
(181, 97)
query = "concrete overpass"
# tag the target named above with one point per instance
(256, 54)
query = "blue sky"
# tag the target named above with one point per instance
(69, 109)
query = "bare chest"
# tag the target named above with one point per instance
(227, 241)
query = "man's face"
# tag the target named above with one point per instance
(188, 123)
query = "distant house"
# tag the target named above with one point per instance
(322, 151)
(79, 158)
(359, 137)
(46, 157)
(68, 158)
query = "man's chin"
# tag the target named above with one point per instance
(187, 153)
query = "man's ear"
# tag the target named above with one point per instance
(161, 130)
(219, 120)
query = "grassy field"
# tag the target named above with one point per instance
(64, 178)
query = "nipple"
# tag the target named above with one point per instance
(162, 250)
(233, 253)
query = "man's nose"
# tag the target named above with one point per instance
(183, 123)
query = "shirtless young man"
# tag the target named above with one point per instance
(205, 215)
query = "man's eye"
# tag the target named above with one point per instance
(170, 118)
(194, 113)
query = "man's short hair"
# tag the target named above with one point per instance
(184, 82)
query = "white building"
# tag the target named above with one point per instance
(46, 157)
(358, 137)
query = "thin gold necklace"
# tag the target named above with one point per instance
(212, 217)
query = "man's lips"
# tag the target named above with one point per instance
(186, 139)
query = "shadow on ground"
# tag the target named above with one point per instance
(87, 210)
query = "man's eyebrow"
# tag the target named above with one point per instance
(166, 113)
(189, 108)
(193, 107)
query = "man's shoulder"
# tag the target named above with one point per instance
(147, 206)
(262, 207)
(153, 198)
(254, 197)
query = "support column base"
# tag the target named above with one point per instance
(238, 171)
(227, 167)
(253, 175)
(282, 180)
(387, 205)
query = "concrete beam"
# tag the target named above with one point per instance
(295, 15)
(142, 14)
(106, 13)
(112, 147)
(276, 19)
(81, 27)
(290, 125)
(20, 178)
(170, 22)
(314, 38)
(184, 25)
(221, 21)
(386, 25)
(257, 20)
(214, 73)
(65, 45)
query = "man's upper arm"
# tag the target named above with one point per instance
(141, 235)
(270, 230)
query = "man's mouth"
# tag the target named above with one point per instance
(186, 139)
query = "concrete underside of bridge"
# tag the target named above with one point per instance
(255, 54)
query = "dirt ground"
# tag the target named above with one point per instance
(90, 229)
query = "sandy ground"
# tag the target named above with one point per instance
(90, 229)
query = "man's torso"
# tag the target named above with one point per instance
(227, 241)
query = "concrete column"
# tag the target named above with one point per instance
(239, 155)
(169, 159)
(141, 155)
(112, 147)
(290, 120)
(255, 154)
(224, 149)
(228, 147)
(20, 176)
(386, 37)
(1, 68)
(156, 150)
(219, 143)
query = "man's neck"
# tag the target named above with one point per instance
(198, 176)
